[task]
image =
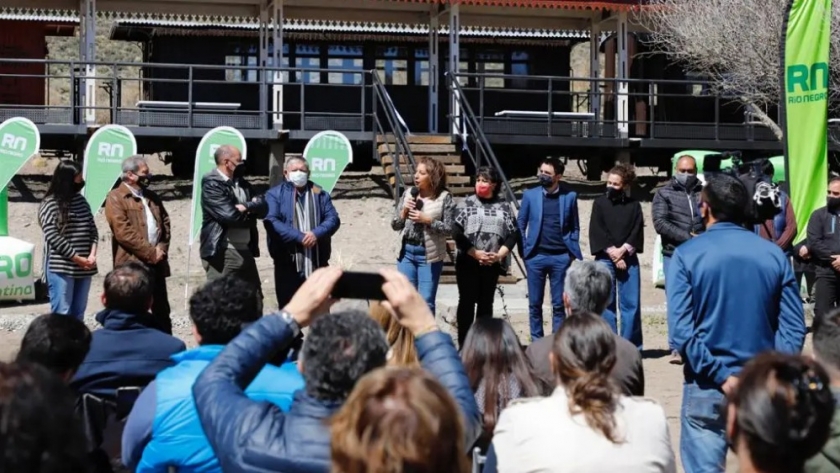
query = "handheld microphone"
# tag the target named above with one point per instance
(418, 204)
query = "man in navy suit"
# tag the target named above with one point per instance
(550, 228)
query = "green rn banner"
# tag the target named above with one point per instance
(205, 162)
(19, 141)
(327, 154)
(104, 154)
(805, 76)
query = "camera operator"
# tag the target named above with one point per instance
(824, 250)
(781, 229)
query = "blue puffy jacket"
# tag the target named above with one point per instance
(251, 436)
(177, 438)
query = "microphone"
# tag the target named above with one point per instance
(418, 204)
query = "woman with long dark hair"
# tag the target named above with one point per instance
(424, 220)
(497, 369)
(586, 425)
(70, 237)
(780, 413)
(485, 234)
(616, 237)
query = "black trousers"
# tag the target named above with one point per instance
(161, 310)
(826, 291)
(476, 291)
(287, 280)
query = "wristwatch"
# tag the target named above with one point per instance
(290, 321)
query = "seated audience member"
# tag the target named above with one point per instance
(398, 420)
(163, 429)
(40, 432)
(252, 436)
(401, 341)
(779, 414)
(492, 356)
(586, 425)
(126, 351)
(587, 288)
(56, 342)
(826, 333)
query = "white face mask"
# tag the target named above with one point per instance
(298, 178)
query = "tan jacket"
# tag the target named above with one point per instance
(541, 434)
(127, 219)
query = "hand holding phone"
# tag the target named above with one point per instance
(358, 285)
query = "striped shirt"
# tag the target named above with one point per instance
(75, 237)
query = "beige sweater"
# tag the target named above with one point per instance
(442, 212)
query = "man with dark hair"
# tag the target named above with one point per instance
(229, 236)
(340, 348)
(823, 250)
(56, 342)
(781, 229)
(550, 227)
(731, 295)
(40, 432)
(127, 351)
(826, 340)
(676, 217)
(163, 429)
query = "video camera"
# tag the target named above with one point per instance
(765, 196)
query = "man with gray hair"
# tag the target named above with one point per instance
(229, 237)
(300, 224)
(140, 232)
(587, 288)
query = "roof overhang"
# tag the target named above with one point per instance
(55, 23)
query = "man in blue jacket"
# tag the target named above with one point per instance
(251, 436)
(731, 295)
(163, 429)
(550, 229)
(126, 351)
(300, 224)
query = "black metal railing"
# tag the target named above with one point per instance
(401, 151)
(467, 128)
(185, 95)
(586, 107)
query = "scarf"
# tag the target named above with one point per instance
(306, 219)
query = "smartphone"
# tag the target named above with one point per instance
(356, 285)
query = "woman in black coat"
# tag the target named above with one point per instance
(616, 237)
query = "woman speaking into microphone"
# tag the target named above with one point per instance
(424, 219)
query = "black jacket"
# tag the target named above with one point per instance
(676, 214)
(823, 237)
(252, 436)
(218, 204)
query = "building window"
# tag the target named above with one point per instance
(491, 62)
(392, 65)
(308, 56)
(519, 66)
(348, 58)
(247, 56)
(421, 66)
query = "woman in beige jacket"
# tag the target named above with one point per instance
(424, 219)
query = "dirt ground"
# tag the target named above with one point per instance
(365, 242)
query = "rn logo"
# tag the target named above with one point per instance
(14, 267)
(323, 165)
(13, 142)
(807, 83)
(111, 150)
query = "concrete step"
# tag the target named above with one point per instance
(418, 139)
(420, 148)
(454, 158)
(450, 169)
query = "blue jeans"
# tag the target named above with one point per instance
(666, 262)
(424, 276)
(554, 268)
(703, 429)
(629, 293)
(68, 295)
(611, 320)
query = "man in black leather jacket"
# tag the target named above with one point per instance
(676, 215)
(229, 237)
(251, 436)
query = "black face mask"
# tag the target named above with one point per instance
(614, 194)
(78, 186)
(546, 181)
(144, 181)
(239, 170)
(833, 203)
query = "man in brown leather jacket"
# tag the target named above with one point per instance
(140, 228)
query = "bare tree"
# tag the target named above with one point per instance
(734, 42)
